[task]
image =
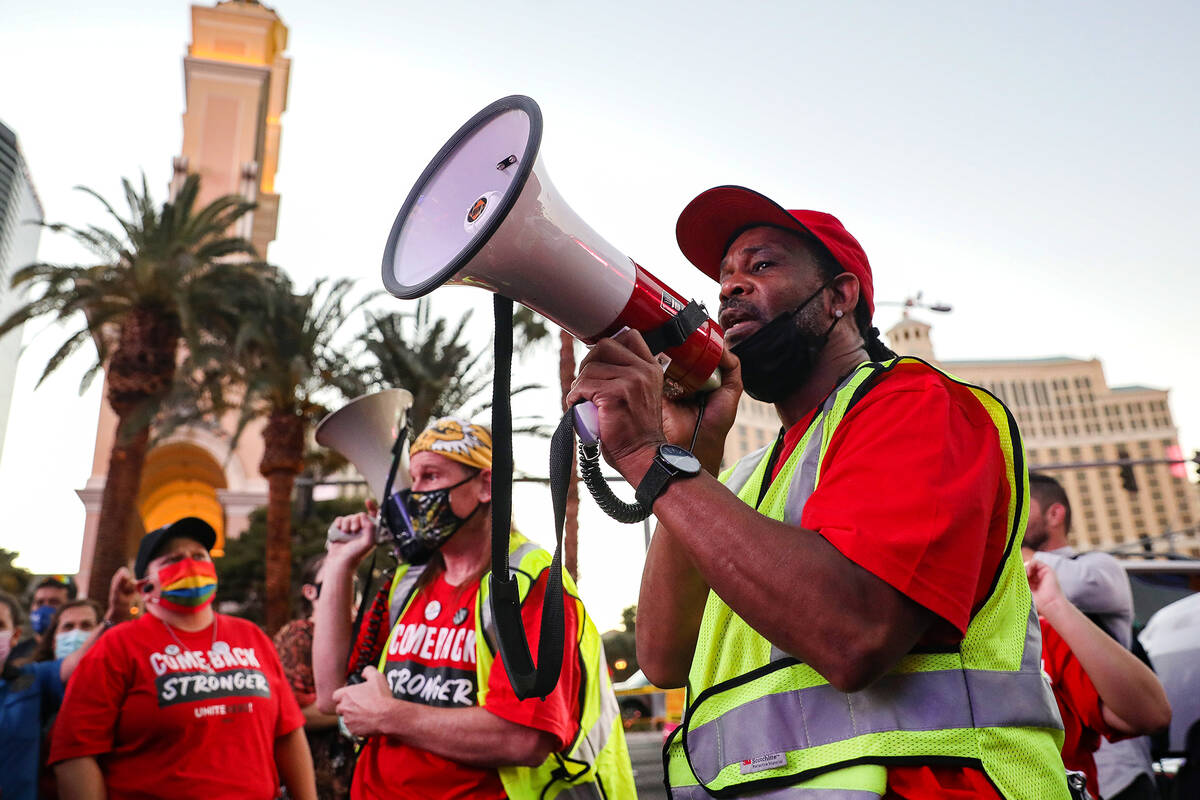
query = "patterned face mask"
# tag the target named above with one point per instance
(187, 586)
(433, 522)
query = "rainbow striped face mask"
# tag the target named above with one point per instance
(188, 586)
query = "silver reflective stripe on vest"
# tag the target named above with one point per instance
(591, 745)
(918, 701)
(786, 793)
(401, 592)
(1031, 659)
(744, 468)
(582, 791)
(804, 482)
(804, 479)
(514, 561)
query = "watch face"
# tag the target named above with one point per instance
(679, 459)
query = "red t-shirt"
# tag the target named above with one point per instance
(431, 659)
(913, 490)
(163, 722)
(1078, 703)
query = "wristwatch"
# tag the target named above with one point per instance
(670, 462)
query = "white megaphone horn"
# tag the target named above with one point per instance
(365, 432)
(484, 213)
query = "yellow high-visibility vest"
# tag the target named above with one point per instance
(759, 719)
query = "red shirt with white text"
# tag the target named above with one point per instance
(431, 659)
(165, 721)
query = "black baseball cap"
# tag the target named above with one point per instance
(192, 528)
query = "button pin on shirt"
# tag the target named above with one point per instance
(432, 610)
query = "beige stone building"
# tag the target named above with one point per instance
(235, 82)
(1068, 414)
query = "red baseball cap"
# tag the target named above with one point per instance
(710, 222)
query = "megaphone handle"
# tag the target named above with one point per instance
(336, 534)
(587, 422)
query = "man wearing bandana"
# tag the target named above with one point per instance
(847, 607)
(435, 705)
(182, 701)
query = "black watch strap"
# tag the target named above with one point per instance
(654, 483)
(669, 462)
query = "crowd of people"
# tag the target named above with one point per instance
(881, 603)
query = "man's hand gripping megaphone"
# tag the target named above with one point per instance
(620, 386)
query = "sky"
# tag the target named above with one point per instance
(1032, 164)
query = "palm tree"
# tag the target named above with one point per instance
(280, 367)
(434, 362)
(162, 277)
(566, 376)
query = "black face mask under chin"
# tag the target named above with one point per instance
(779, 357)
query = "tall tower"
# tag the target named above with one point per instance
(235, 81)
(911, 337)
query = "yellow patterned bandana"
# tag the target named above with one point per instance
(458, 440)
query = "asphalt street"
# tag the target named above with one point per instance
(645, 751)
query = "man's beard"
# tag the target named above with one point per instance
(1035, 534)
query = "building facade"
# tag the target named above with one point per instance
(1067, 414)
(20, 231)
(235, 82)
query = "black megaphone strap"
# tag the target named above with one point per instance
(526, 679)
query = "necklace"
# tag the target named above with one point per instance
(183, 648)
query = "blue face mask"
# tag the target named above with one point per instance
(40, 619)
(68, 642)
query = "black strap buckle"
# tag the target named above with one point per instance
(677, 329)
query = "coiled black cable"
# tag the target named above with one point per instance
(615, 507)
(602, 493)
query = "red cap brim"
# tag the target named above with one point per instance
(708, 224)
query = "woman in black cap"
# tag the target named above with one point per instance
(181, 702)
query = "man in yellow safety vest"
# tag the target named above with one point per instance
(436, 708)
(847, 607)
